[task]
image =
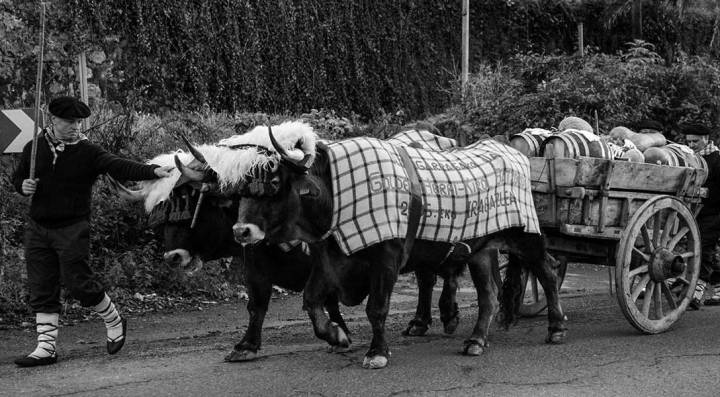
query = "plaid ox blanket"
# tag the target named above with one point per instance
(425, 139)
(467, 192)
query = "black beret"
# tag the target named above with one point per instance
(649, 125)
(694, 129)
(67, 107)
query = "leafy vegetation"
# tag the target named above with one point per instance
(531, 90)
(348, 69)
(370, 58)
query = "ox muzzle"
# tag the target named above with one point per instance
(181, 258)
(247, 233)
(177, 257)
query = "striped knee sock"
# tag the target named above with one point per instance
(47, 329)
(113, 321)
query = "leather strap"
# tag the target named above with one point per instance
(414, 207)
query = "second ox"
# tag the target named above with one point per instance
(370, 210)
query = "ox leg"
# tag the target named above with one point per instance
(259, 293)
(481, 273)
(419, 325)
(557, 329)
(333, 308)
(315, 296)
(449, 313)
(383, 278)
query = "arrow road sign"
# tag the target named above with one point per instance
(16, 129)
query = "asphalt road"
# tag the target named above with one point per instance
(181, 354)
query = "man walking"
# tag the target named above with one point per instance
(697, 137)
(57, 233)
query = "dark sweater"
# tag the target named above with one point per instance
(711, 204)
(64, 190)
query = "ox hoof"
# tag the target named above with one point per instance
(556, 337)
(415, 330)
(240, 355)
(375, 362)
(474, 348)
(338, 349)
(450, 326)
(340, 336)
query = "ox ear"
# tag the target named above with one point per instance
(307, 188)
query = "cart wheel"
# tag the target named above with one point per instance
(661, 243)
(533, 297)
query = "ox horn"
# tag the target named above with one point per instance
(301, 165)
(189, 173)
(124, 192)
(192, 149)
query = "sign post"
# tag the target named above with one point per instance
(465, 59)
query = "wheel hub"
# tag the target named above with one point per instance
(665, 264)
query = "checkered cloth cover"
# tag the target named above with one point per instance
(467, 192)
(426, 139)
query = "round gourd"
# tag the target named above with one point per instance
(634, 155)
(574, 123)
(647, 140)
(620, 133)
(659, 155)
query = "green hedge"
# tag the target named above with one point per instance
(292, 56)
(539, 91)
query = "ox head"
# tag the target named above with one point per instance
(299, 207)
(194, 220)
(196, 226)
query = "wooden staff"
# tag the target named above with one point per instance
(38, 91)
(597, 124)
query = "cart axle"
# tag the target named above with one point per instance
(665, 264)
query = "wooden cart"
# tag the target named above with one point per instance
(639, 218)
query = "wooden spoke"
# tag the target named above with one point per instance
(668, 228)
(668, 296)
(687, 255)
(657, 299)
(648, 299)
(639, 287)
(656, 229)
(645, 256)
(649, 247)
(638, 270)
(676, 238)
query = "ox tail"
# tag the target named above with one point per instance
(511, 293)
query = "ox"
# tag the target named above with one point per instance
(196, 225)
(301, 207)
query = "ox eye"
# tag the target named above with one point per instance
(275, 182)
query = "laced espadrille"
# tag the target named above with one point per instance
(44, 353)
(115, 344)
(116, 325)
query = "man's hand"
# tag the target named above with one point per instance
(29, 186)
(163, 172)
